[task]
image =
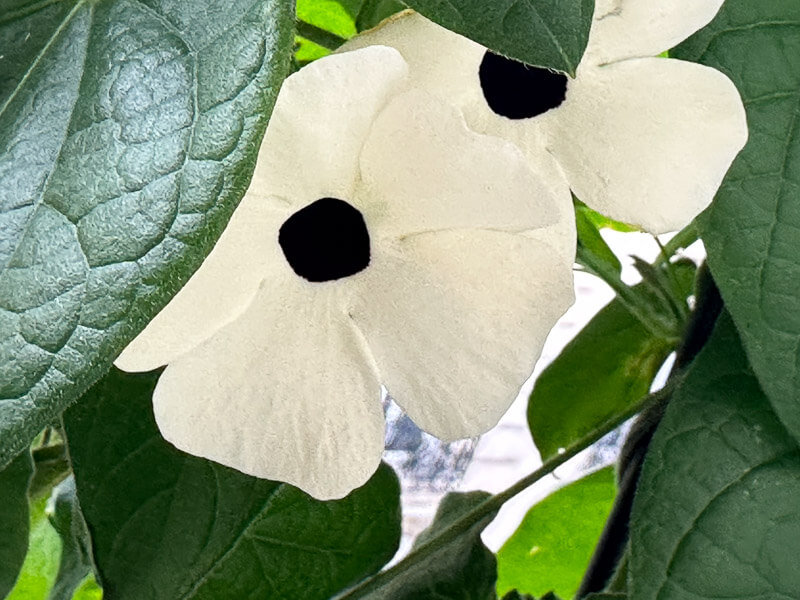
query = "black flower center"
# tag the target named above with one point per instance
(515, 90)
(325, 240)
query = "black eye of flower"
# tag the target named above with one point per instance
(515, 90)
(325, 240)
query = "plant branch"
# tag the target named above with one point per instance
(491, 505)
(615, 537)
(683, 239)
(320, 36)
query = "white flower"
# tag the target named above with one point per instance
(642, 139)
(381, 242)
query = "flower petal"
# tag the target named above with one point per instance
(637, 28)
(456, 321)
(321, 119)
(648, 141)
(219, 291)
(441, 62)
(284, 393)
(424, 170)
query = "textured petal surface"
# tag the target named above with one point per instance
(219, 291)
(424, 170)
(284, 392)
(440, 62)
(648, 141)
(456, 321)
(637, 28)
(321, 119)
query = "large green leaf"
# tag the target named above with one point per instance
(554, 543)
(599, 374)
(462, 570)
(544, 33)
(716, 513)
(752, 231)
(128, 132)
(166, 525)
(14, 524)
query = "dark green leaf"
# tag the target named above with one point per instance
(599, 374)
(463, 570)
(752, 231)
(128, 132)
(167, 525)
(606, 596)
(716, 514)
(552, 546)
(76, 562)
(543, 33)
(14, 525)
(374, 11)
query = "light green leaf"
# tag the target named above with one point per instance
(128, 132)
(554, 543)
(166, 525)
(716, 513)
(14, 524)
(41, 563)
(543, 33)
(590, 239)
(463, 570)
(66, 518)
(329, 15)
(374, 11)
(752, 231)
(604, 370)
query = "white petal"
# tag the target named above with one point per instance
(440, 62)
(321, 119)
(284, 393)
(637, 28)
(648, 141)
(424, 170)
(456, 321)
(218, 292)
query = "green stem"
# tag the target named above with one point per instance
(627, 296)
(320, 36)
(683, 239)
(490, 506)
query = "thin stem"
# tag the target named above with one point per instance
(320, 36)
(626, 295)
(683, 239)
(491, 505)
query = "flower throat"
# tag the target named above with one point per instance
(518, 91)
(326, 240)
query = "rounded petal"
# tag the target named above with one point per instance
(648, 141)
(440, 62)
(637, 28)
(456, 320)
(422, 169)
(218, 292)
(321, 119)
(284, 393)
(561, 236)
